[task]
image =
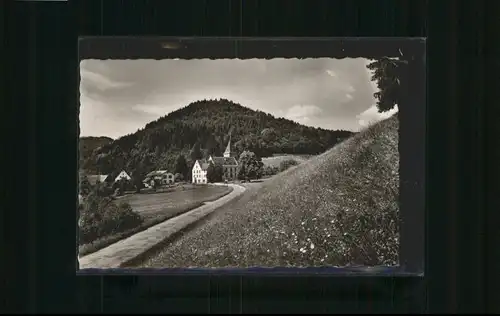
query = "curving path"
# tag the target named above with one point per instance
(129, 248)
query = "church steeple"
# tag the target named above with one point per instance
(227, 152)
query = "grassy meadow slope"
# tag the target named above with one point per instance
(336, 209)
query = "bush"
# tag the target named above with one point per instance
(270, 171)
(214, 173)
(101, 217)
(103, 189)
(285, 164)
(124, 185)
(249, 166)
(178, 177)
(85, 186)
(138, 185)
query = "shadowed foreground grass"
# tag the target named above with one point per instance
(339, 208)
(157, 209)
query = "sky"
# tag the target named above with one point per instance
(118, 97)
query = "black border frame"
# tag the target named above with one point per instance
(40, 93)
(412, 116)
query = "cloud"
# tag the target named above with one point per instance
(124, 95)
(331, 73)
(153, 109)
(372, 115)
(149, 109)
(302, 113)
(100, 81)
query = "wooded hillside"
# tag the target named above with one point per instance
(206, 124)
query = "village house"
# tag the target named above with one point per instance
(162, 177)
(97, 178)
(228, 163)
(123, 176)
(199, 172)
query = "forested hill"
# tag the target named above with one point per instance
(88, 144)
(206, 124)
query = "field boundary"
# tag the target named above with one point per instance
(162, 243)
(128, 250)
(109, 240)
(104, 242)
(137, 261)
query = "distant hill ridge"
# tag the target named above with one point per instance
(208, 124)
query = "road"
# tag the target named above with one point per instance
(250, 189)
(216, 214)
(130, 248)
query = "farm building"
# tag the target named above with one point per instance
(122, 175)
(161, 176)
(97, 178)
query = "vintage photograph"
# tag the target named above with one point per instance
(218, 163)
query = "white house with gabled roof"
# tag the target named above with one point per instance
(162, 176)
(122, 175)
(199, 171)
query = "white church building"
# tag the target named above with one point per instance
(228, 163)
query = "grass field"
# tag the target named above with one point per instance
(159, 207)
(336, 209)
(275, 161)
(169, 204)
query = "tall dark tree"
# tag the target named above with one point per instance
(196, 153)
(242, 172)
(387, 72)
(249, 166)
(181, 166)
(214, 173)
(179, 177)
(138, 177)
